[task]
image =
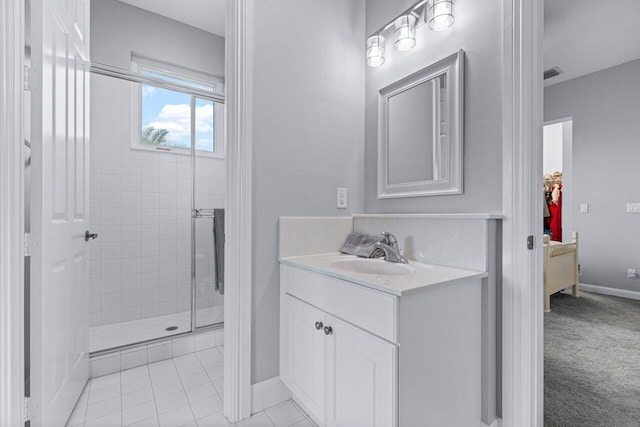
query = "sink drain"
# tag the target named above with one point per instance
(171, 328)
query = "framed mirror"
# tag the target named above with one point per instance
(420, 132)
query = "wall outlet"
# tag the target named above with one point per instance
(633, 207)
(341, 199)
(632, 273)
(584, 207)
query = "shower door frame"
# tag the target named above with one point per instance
(194, 93)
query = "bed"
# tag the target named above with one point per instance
(560, 268)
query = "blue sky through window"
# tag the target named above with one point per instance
(171, 111)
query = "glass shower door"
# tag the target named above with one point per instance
(208, 214)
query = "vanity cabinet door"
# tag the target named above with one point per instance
(361, 377)
(302, 355)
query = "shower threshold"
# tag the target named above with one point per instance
(121, 334)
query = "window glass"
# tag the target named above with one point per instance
(166, 117)
(205, 124)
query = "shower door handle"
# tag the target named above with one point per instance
(90, 236)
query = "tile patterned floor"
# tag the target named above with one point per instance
(183, 391)
(124, 333)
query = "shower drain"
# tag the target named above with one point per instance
(171, 328)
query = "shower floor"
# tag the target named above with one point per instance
(125, 333)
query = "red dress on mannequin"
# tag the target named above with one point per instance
(556, 216)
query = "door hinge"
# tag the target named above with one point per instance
(27, 78)
(530, 243)
(30, 244)
(28, 408)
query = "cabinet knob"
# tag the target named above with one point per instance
(328, 330)
(319, 325)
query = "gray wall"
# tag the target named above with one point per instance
(605, 107)
(477, 30)
(118, 29)
(308, 127)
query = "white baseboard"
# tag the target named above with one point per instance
(622, 293)
(268, 393)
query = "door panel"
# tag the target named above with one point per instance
(59, 268)
(361, 378)
(303, 347)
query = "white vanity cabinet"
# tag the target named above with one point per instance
(341, 374)
(356, 356)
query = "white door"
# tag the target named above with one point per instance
(303, 354)
(59, 276)
(361, 378)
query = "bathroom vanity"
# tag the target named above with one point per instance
(372, 343)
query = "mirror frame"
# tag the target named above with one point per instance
(452, 67)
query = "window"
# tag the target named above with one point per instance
(173, 120)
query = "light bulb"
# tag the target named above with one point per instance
(441, 14)
(375, 51)
(405, 31)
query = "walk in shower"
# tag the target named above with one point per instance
(157, 188)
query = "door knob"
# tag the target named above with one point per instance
(328, 330)
(318, 325)
(90, 236)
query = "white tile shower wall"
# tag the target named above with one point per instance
(141, 209)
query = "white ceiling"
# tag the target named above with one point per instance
(584, 36)
(207, 15)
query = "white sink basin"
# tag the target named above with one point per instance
(373, 266)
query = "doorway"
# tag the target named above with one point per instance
(590, 93)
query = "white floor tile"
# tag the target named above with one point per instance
(215, 420)
(137, 397)
(257, 420)
(187, 359)
(104, 381)
(172, 401)
(77, 416)
(219, 385)
(195, 379)
(177, 417)
(206, 407)
(135, 384)
(113, 420)
(169, 387)
(99, 394)
(200, 392)
(149, 422)
(103, 408)
(215, 372)
(304, 423)
(138, 413)
(285, 415)
(140, 371)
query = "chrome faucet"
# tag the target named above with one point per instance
(390, 247)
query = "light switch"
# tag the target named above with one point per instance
(584, 207)
(633, 207)
(341, 202)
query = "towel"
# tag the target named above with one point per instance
(218, 242)
(362, 245)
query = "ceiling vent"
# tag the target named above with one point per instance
(552, 72)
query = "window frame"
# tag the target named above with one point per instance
(138, 66)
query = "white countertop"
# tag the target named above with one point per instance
(421, 276)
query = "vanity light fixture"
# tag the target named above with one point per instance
(404, 29)
(375, 50)
(440, 14)
(437, 13)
